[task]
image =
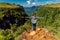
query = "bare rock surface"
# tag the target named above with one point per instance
(39, 34)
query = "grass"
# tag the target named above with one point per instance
(56, 32)
(53, 5)
(7, 5)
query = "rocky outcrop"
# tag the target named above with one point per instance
(39, 34)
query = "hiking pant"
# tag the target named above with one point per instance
(34, 26)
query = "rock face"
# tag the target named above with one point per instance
(39, 34)
(11, 14)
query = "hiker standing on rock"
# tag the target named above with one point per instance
(34, 20)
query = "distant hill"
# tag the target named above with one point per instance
(8, 5)
(30, 10)
(54, 5)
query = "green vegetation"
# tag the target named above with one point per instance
(51, 18)
(9, 15)
(53, 5)
(13, 33)
(50, 21)
(12, 18)
(8, 5)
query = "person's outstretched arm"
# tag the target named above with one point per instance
(40, 17)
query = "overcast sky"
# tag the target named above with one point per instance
(31, 2)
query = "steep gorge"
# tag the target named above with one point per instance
(11, 14)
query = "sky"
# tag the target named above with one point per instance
(27, 3)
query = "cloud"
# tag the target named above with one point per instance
(31, 2)
(49, 2)
(28, 2)
(34, 3)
